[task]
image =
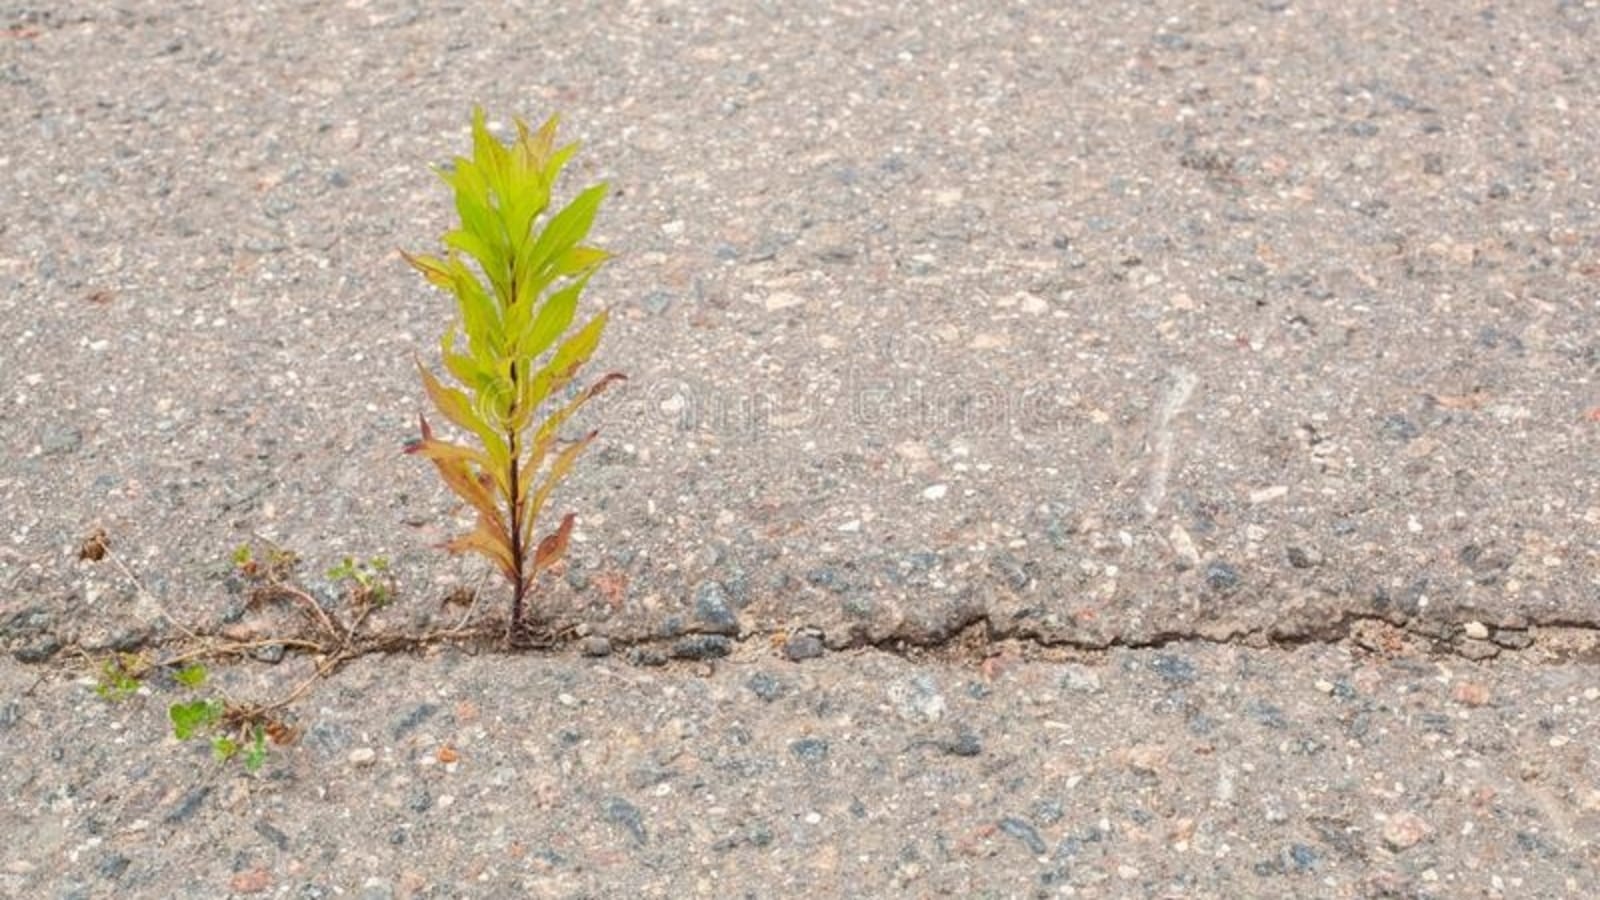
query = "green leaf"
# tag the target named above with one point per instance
(565, 230)
(223, 748)
(554, 316)
(257, 754)
(191, 676)
(188, 718)
(564, 365)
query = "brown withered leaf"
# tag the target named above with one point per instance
(94, 546)
(554, 545)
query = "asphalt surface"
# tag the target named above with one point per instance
(967, 347)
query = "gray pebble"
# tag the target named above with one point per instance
(1221, 577)
(765, 686)
(712, 610)
(810, 749)
(595, 645)
(803, 646)
(1025, 833)
(620, 812)
(702, 646)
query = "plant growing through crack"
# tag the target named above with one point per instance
(517, 274)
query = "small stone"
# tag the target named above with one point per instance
(1303, 558)
(1476, 631)
(765, 686)
(1174, 669)
(935, 491)
(113, 866)
(810, 749)
(711, 608)
(1512, 640)
(1025, 833)
(702, 646)
(647, 657)
(1221, 577)
(420, 713)
(620, 812)
(595, 645)
(38, 650)
(1404, 830)
(363, 756)
(803, 646)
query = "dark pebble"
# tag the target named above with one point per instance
(595, 645)
(647, 656)
(810, 749)
(1398, 428)
(828, 579)
(420, 801)
(37, 652)
(1301, 558)
(273, 835)
(1174, 669)
(765, 686)
(189, 805)
(422, 712)
(1303, 857)
(1266, 714)
(803, 646)
(1025, 833)
(1048, 811)
(702, 646)
(330, 739)
(711, 608)
(620, 812)
(965, 743)
(10, 714)
(1221, 577)
(1512, 640)
(338, 179)
(1010, 570)
(113, 866)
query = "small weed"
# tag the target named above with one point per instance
(369, 580)
(517, 270)
(120, 675)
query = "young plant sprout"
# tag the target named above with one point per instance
(517, 275)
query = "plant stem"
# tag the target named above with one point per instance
(519, 584)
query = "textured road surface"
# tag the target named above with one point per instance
(1103, 332)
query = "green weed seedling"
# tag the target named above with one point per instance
(517, 275)
(120, 676)
(369, 579)
(232, 731)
